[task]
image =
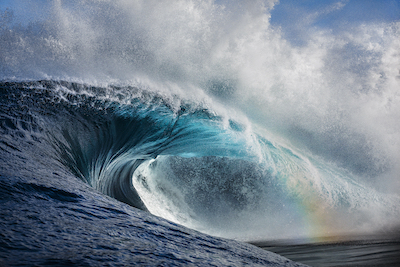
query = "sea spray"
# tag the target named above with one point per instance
(321, 115)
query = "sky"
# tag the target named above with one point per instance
(295, 17)
(289, 13)
(329, 12)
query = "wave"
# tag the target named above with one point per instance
(186, 162)
(203, 112)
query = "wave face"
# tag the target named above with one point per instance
(203, 114)
(53, 133)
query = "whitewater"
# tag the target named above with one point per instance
(171, 133)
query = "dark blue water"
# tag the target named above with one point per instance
(64, 225)
(67, 194)
(51, 215)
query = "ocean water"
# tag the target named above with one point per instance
(64, 152)
(151, 133)
(355, 251)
